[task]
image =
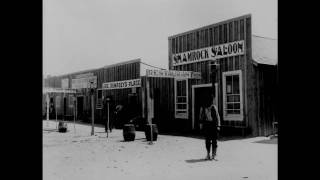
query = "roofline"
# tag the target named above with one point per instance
(264, 37)
(104, 67)
(207, 26)
(257, 63)
(122, 63)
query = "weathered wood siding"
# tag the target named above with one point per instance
(266, 99)
(117, 72)
(227, 31)
(162, 93)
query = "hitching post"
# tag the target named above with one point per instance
(55, 105)
(74, 114)
(108, 119)
(92, 109)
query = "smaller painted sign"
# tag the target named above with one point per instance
(122, 84)
(173, 74)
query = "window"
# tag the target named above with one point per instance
(232, 96)
(181, 98)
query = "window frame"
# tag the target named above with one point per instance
(186, 113)
(232, 117)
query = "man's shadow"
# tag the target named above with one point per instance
(196, 160)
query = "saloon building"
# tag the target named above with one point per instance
(223, 62)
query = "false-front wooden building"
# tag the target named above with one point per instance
(238, 68)
(223, 62)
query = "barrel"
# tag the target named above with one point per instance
(62, 127)
(129, 132)
(154, 132)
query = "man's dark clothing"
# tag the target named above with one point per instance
(210, 129)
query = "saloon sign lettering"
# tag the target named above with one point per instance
(214, 52)
(122, 84)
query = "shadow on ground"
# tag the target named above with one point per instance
(50, 130)
(196, 160)
(268, 141)
(199, 136)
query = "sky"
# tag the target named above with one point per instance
(86, 34)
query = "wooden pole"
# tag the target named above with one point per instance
(56, 113)
(92, 116)
(108, 119)
(74, 116)
(149, 104)
(47, 97)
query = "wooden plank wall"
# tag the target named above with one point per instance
(227, 31)
(123, 71)
(266, 98)
(162, 92)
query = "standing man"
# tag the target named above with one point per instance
(210, 119)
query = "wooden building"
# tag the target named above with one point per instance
(237, 68)
(223, 61)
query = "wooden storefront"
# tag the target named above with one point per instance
(212, 61)
(236, 79)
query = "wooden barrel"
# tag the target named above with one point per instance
(62, 127)
(154, 132)
(129, 132)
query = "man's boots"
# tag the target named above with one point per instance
(214, 151)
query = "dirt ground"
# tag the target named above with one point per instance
(76, 155)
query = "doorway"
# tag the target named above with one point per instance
(200, 94)
(79, 107)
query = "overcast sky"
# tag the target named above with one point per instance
(85, 34)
